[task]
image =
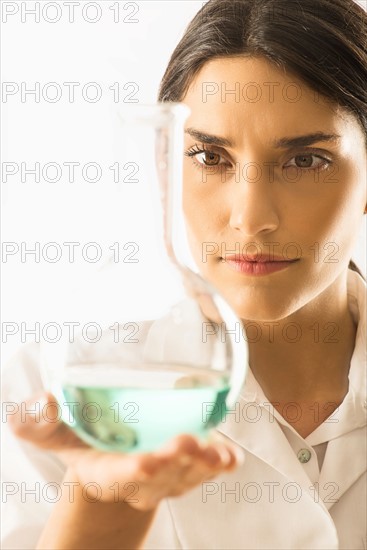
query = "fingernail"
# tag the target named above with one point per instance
(240, 455)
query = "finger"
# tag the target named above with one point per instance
(181, 472)
(237, 453)
(44, 427)
(183, 448)
(154, 473)
(173, 470)
(217, 450)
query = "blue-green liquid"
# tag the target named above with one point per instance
(143, 419)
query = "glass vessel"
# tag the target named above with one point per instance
(162, 356)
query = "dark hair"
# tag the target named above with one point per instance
(323, 42)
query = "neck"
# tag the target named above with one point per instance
(305, 357)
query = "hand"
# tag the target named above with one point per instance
(183, 463)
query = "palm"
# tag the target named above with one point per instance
(141, 480)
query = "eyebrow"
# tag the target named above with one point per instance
(208, 138)
(303, 141)
(282, 143)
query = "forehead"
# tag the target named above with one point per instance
(233, 93)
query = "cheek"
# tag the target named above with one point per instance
(198, 230)
(336, 218)
(204, 207)
(205, 222)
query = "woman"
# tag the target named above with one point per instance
(274, 175)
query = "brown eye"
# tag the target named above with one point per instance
(207, 157)
(304, 161)
(210, 158)
(309, 161)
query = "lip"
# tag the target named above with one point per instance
(260, 265)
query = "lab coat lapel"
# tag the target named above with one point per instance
(344, 463)
(266, 440)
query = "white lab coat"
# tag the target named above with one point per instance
(273, 501)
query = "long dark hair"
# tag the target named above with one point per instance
(323, 42)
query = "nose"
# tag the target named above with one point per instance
(253, 208)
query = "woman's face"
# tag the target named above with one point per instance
(283, 175)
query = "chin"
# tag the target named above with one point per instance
(260, 309)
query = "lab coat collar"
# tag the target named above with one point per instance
(265, 439)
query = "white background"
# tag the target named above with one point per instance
(105, 52)
(135, 49)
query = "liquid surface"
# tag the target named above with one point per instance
(139, 409)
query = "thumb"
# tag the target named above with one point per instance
(39, 422)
